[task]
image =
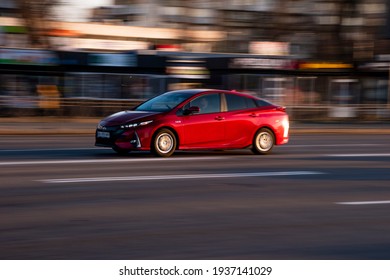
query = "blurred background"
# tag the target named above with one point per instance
(325, 60)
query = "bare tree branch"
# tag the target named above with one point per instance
(36, 14)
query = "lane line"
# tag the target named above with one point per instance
(81, 161)
(49, 150)
(364, 202)
(44, 162)
(85, 161)
(335, 145)
(180, 177)
(360, 155)
(105, 149)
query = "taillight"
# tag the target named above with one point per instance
(286, 127)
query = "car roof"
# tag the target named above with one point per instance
(195, 91)
(190, 91)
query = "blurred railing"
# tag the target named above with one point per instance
(334, 113)
(99, 107)
(78, 106)
(94, 106)
(85, 94)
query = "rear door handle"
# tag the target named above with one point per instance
(253, 115)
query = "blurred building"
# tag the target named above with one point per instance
(317, 29)
(8, 8)
(299, 53)
(12, 29)
(342, 29)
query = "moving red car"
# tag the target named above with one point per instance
(196, 119)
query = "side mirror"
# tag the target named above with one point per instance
(191, 110)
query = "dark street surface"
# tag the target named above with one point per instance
(319, 197)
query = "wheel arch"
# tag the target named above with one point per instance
(257, 142)
(267, 127)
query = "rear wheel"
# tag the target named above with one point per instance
(263, 141)
(164, 143)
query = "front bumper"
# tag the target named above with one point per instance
(116, 137)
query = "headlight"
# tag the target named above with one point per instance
(130, 125)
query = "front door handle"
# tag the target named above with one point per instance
(219, 118)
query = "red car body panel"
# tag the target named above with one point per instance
(224, 129)
(201, 131)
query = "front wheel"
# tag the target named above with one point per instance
(263, 141)
(164, 143)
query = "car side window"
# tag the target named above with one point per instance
(237, 102)
(262, 103)
(209, 103)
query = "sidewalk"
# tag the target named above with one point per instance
(87, 126)
(48, 126)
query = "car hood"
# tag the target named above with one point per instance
(124, 117)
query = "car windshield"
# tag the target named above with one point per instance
(164, 102)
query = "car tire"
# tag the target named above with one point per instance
(164, 143)
(263, 142)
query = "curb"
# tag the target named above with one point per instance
(378, 131)
(37, 132)
(86, 126)
(91, 131)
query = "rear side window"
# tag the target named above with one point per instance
(237, 102)
(262, 103)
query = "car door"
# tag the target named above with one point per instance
(241, 120)
(203, 129)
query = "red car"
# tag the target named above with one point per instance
(196, 119)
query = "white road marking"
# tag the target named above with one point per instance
(99, 148)
(360, 155)
(364, 202)
(43, 162)
(334, 145)
(180, 177)
(48, 150)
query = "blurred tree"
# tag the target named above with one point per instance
(36, 13)
(347, 9)
(386, 29)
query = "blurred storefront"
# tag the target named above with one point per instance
(323, 59)
(97, 83)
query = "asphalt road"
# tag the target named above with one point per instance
(319, 197)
